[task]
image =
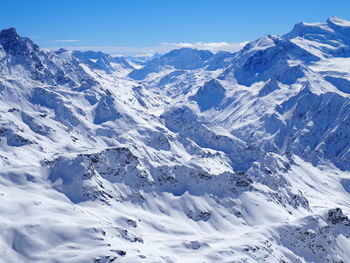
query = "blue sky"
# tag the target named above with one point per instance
(141, 26)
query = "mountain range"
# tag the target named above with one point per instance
(189, 156)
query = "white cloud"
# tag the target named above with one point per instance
(66, 40)
(212, 46)
(162, 48)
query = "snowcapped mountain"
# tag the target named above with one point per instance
(102, 61)
(187, 157)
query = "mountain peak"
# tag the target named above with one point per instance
(186, 51)
(8, 35)
(334, 32)
(330, 28)
(14, 44)
(261, 43)
(337, 21)
(180, 59)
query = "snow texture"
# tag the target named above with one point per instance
(184, 157)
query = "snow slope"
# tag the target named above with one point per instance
(186, 157)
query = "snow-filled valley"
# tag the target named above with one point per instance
(186, 157)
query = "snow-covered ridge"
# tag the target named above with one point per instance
(188, 156)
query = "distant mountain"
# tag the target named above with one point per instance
(141, 60)
(181, 59)
(102, 61)
(189, 156)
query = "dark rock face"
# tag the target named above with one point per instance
(13, 44)
(336, 216)
(13, 138)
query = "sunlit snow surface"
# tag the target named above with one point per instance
(186, 157)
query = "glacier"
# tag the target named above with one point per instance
(189, 156)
